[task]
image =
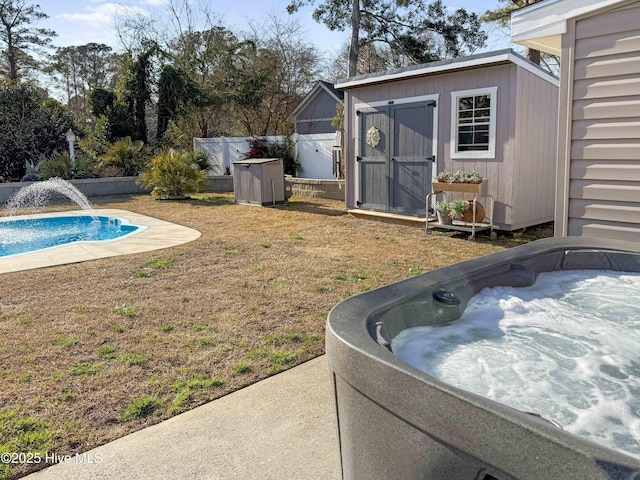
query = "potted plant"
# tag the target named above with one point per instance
(445, 177)
(473, 177)
(443, 210)
(459, 177)
(457, 207)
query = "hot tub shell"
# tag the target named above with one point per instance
(396, 422)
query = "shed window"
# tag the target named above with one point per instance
(473, 123)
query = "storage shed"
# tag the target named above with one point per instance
(316, 110)
(493, 113)
(598, 170)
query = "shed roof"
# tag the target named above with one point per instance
(446, 66)
(317, 88)
(542, 25)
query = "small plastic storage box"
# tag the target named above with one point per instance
(258, 181)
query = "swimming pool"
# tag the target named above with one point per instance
(19, 236)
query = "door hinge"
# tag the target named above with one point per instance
(358, 158)
(432, 158)
(358, 203)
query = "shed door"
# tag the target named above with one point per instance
(397, 146)
(373, 160)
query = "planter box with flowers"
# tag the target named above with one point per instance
(465, 182)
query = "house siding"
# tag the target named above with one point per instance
(603, 184)
(521, 176)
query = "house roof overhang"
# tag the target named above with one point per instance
(541, 26)
(465, 63)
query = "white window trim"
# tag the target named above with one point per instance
(453, 145)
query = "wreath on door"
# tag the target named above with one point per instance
(373, 137)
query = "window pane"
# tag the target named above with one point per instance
(481, 138)
(464, 138)
(482, 101)
(473, 119)
(465, 103)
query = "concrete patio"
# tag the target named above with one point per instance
(280, 428)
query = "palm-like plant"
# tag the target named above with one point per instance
(127, 156)
(172, 175)
(59, 164)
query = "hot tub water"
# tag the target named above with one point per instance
(566, 348)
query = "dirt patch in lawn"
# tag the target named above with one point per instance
(96, 350)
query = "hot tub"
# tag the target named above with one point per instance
(396, 422)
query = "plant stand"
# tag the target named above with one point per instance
(473, 191)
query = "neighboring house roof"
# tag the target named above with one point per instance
(317, 88)
(446, 66)
(542, 25)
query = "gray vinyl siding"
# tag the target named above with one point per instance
(522, 175)
(603, 185)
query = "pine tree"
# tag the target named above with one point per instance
(406, 26)
(502, 15)
(20, 37)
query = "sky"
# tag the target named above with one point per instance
(79, 22)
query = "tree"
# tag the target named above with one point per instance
(502, 15)
(406, 26)
(175, 94)
(81, 69)
(213, 60)
(20, 37)
(31, 125)
(136, 91)
(101, 100)
(290, 67)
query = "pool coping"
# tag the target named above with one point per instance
(158, 234)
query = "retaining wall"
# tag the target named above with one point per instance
(308, 187)
(97, 187)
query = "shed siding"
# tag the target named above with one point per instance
(317, 115)
(536, 130)
(604, 165)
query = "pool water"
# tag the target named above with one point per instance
(566, 348)
(29, 235)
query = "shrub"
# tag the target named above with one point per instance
(173, 174)
(59, 165)
(259, 147)
(127, 156)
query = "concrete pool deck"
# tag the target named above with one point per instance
(158, 234)
(281, 428)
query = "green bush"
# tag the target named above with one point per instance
(173, 174)
(59, 165)
(127, 156)
(261, 148)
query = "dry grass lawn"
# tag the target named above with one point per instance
(96, 350)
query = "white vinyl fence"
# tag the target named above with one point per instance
(313, 151)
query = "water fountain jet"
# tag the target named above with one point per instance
(39, 194)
